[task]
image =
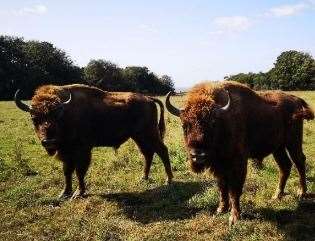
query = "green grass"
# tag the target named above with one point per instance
(121, 207)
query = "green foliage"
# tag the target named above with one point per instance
(293, 70)
(109, 76)
(28, 64)
(105, 75)
(12, 64)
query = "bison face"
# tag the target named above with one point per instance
(200, 133)
(47, 117)
(203, 128)
(48, 129)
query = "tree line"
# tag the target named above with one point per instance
(28, 64)
(293, 70)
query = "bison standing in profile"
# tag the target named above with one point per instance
(225, 124)
(70, 120)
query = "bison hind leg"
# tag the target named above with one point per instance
(149, 145)
(148, 157)
(284, 163)
(298, 158)
(162, 152)
(294, 147)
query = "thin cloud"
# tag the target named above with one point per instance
(288, 10)
(237, 24)
(231, 24)
(34, 10)
(148, 28)
(37, 10)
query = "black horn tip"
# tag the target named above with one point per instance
(172, 109)
(16, 94)
(19, 103)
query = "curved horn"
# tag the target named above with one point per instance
(19, 103)
(226, 107)
(68, 100)
(172, 109)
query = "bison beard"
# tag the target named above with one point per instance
(228, 123)
(70, 120)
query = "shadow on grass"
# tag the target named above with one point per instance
(161, 203)
(298, 224)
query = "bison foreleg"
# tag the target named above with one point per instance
(235, 206)
(68, 169)
(81, 170)
(235, 185)
(224, 197)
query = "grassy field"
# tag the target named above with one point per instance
(121, 207)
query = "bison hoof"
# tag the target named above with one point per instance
(221, 210)
(145, 180)
(65, 194)
(169, 181)
(77, 194)
(278, 196)
(302, 194)
(233, 219)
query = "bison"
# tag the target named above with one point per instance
(70, 120)
(226, 123)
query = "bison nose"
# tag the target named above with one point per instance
(197, 152)
(48, 142)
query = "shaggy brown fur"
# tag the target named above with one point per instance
(255, 125)
(96, 118)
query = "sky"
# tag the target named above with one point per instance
(191, 41)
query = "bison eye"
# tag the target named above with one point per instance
(56, 113)
(186, 127)
(35, 120)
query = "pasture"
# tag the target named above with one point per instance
(119, 206)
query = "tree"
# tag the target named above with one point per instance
(27, 65)
(139, 77)
(167, 84)
(293, 70)
(50, 65)
(105, 75)
(147, 82)
(243, 78)
(12, 65)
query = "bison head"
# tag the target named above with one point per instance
(47, 114)
(202, 127)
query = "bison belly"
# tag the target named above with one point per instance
(264, 138)
(111, 137)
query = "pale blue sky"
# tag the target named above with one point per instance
(191, 41)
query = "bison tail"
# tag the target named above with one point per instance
(305, 113)
(161, 124)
